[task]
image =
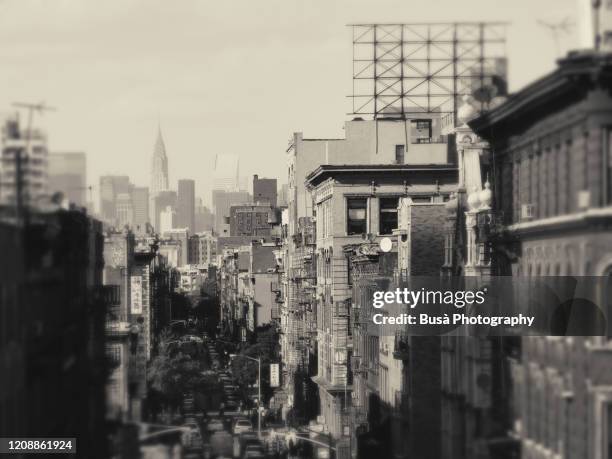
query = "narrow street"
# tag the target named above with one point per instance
(217, 415)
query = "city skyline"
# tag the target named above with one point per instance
(162, 85)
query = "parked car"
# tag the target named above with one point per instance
(253, 450)
(215, 425)
(242, 425)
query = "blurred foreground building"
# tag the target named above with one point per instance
(550, 147)
(25, 165)
(52, 330)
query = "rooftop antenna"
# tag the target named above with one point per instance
(31, 108)
(556, 29)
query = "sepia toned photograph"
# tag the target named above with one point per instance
(295, 229)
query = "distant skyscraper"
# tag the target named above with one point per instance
(204, 218)
(283, 196)
(226, 173)
(161, 202)
(167, 219)
(185, 206)
(124, 210)
(140, 203)
(67, 173)
(264, 190)
(159, 173)
(110, 187)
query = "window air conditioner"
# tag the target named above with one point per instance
(584, 199)
(527, 211)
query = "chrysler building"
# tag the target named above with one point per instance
(159, 173)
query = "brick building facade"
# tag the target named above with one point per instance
(551, 164)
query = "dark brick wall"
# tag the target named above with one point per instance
(427, 233)
(425, 425)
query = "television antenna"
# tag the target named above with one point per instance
(556, 29)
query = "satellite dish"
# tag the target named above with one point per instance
(386, 244)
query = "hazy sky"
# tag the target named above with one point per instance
(227, 76)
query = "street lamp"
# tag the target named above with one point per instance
(258, 360)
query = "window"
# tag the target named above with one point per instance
(421, 199)
(388, 215)
(356, 222)
(399, 154)
(420, 131)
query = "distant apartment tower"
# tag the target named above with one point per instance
(264, 190)
(140, 203)
(222, 202)
(159, 174)
(68, 174)
(110, 187)
(185, 206)
(33, 164)
(202, 248)
(251, 220)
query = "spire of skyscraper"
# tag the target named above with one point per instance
(159, 171)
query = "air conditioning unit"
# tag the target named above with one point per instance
(527, 211)
(584, 199)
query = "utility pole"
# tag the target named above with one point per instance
(21, 212)
(596, 4)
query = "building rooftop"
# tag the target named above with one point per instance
(576, 74)
(372, 171)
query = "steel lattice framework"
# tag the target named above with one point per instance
(405, 69)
